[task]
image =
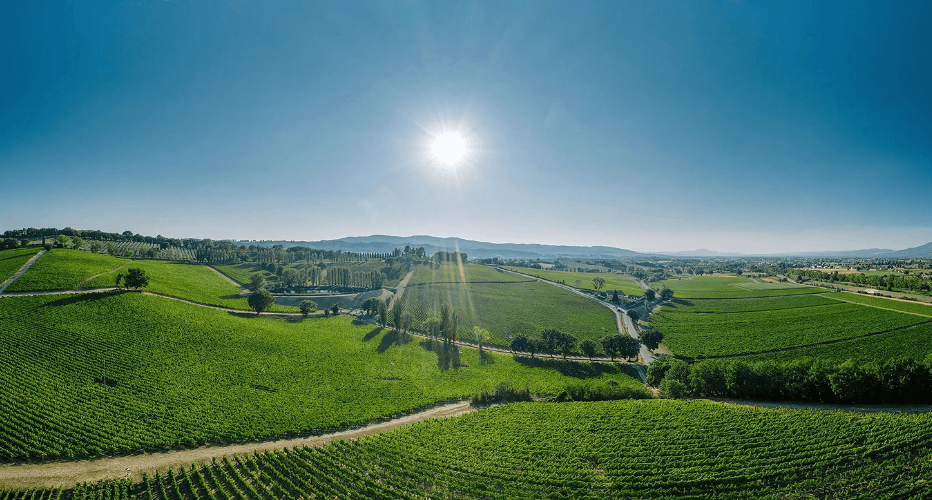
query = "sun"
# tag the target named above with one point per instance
(448, 148)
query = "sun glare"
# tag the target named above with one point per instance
(448, 148)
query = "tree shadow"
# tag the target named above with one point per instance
(393, 337)
(448, 354)
(369, 336)
(83, 297)
(243, 314)
(236, 296)
(575, 369)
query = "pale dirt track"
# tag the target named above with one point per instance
(67, 474)
(22, 270)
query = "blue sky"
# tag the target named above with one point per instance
(748, 126)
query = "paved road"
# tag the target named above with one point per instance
(22, 270)
(625, 325)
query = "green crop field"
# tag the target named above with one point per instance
(192, 282)
(620, 449)
(451, 273)
(101, 373)
(720, 306)
(12, 260)
(62, 269)
(695, 334)
(612, 281)
(914, 343)
(896, 305)
(242, 273)
(507, 310)
(726, 287)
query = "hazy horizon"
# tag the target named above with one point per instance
(654, 127)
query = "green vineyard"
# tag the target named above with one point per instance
(622, 449)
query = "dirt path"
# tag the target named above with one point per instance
(22, 270)
(231, 280)
(829, 407)
(67, 474)
(400, 289)
(887, 308)
(81, 284)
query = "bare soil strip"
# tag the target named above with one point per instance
(886, 308)
(22, 270)
(67, 474)
(231, 280)
(829, 407)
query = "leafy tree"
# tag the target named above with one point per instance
(610, 346)
(666, 293)
(615, 298)
(383, 314)
(78, 242)
(628, 346)
(307, 307)
(433, 326)
(95, 246)
(9, 243)
(650, 294)
(566, 343)
(651, 338)
(111, 248)
(335, 309)
(519, 344)
(63, 241)
(598, 282)
(533, 346)
(260, 300)
(136, 278)
(588, 348)
(396, 314)
(406, 321)
(549, 340)
(257, 281)
(634, 315)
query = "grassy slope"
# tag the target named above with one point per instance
(63, 269)
(241, 272)
(512, 309)
(448, 273)
(724, 287)
(184, 374)
(188, 281)
(623, 449)
(693, 334)
(896, 305)
(612, 281)
(12, 260)
(914, 343)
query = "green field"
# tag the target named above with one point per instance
(914, 343)
(450, 273)
(622, 449)
(896, 305)
(193, 282)
(12, 260)
(727, 287)
(101, 373)
(242, 273)
(612, 281)
(696, 334)
(507, 310)
(722, 306)
(62, 269)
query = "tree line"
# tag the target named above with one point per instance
(895, 381)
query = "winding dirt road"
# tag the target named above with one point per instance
(67, 474)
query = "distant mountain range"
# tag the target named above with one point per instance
(474, 249)
(483, 250)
